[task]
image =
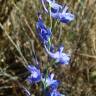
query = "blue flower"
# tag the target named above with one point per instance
(59, 56)
(58, 12)
(65, 16)
(35, 74)
(43, 32)
(54, 93)
(50, 82)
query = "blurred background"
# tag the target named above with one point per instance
(18, 44)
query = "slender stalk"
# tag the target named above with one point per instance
(26, 21)
(44, 6)
(17, 48)
(50, 17)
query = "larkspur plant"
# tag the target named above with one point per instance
(44, 35)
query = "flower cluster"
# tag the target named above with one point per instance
(44, 34)
(36, 77)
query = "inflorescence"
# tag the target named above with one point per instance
(63, 15)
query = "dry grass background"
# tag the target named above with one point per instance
(18, 19)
